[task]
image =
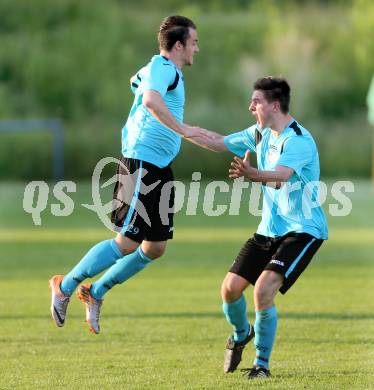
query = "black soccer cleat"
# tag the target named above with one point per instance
(256, 372)
(234, 350)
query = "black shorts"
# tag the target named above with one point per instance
(143, 201)
(288, 255)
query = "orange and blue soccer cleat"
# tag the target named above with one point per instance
(92, 307)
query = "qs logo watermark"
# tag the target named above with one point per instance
(189, 196)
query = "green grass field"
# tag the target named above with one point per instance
(164, 329)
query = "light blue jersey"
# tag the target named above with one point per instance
(143, 136)
(295, 206)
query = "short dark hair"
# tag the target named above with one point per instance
(173, 29)
(275, 89)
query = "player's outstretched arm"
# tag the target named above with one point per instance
(208, 140)
(155, 104)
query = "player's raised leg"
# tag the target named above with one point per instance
(98, 258)
(125, 268)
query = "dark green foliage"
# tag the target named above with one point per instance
(73, 60)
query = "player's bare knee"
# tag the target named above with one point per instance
(153, 250)
(230, 290)
(154, 253)
(125, 244)
(263, 297)
(266, 288)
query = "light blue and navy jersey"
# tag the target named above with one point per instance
(143, 136)
(295, 206)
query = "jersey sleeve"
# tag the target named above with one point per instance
(158, 77)
(297, 153)
(238, 143)
(135, 84)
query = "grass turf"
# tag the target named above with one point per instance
(164, 329)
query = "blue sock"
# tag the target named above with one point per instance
(265, 328)
(124, 269)
(236, 315)
(98, 258)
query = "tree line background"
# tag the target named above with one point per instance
(72, 59)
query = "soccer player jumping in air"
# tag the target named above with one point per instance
(293, 225)
(151, 140)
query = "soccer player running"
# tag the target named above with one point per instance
(151, 139)
(293, 225)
